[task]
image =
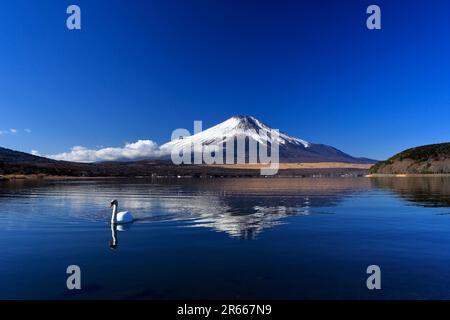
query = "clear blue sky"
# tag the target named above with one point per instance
(140, 69)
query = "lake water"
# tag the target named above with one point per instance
(227, 238)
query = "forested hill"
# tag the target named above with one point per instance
(429, 159)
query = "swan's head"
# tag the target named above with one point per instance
(114, 202)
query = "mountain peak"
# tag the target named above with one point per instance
(243, 117)
(246, 123)
(236, 126)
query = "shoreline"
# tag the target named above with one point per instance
(41, 177)
(34, 177)
(297, 165)
(146, 170)
(406, 175)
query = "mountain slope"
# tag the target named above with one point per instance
(291, 149)
(428, 159)
(8, 155)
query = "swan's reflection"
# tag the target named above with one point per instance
(113, 243)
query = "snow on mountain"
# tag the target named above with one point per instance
(291, 149)
(236, 126)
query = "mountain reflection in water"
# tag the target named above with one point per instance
(242, 208)
(302, 238)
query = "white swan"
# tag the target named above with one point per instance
(120, 217)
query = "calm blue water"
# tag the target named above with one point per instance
(227, 238)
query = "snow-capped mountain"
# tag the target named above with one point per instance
(291, 149)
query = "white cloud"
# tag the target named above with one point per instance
(131, 151)
(13, 131)
(35, 153)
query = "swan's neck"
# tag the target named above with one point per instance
(114, 214)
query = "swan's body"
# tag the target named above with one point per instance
(124, 217)
(120, 217)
